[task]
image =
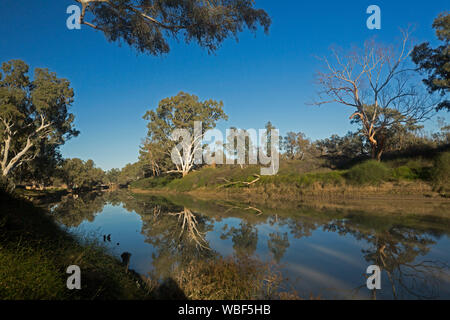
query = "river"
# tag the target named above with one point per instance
(321, 251)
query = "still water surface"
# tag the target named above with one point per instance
(320, 252)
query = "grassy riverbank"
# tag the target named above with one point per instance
(297, 180)
(35, 253)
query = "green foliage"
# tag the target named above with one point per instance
(351, 145)
(78, 174)
(148, 25)
(435, 62)
(441, 172)
(180, 112)
(411, 168)
(298, 146)
(404, 172)
(369, 172)
(332, 178)
(131, 172)
(239, 139)
(296, 174)
(34, 117)
(112, 176)
(42, 170)
(26, 273)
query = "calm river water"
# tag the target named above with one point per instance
(321, 252)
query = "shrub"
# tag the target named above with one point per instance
(404, 172)
(369, 172)
(441, 172)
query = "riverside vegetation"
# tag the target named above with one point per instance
(420, 176)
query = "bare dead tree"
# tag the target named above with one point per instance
(379, 85)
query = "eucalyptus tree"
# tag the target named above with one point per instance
(131, 172)
(182, 112)
(297, 146)
(79, 174)
(148, 25)
(112, 176)
(153, 158)
(435, 62)
(33, 114)
(43, 170)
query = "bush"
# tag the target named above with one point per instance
(404, 172)
(369, 172)
(441, 172)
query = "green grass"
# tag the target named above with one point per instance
(35, 254)
(149, 183)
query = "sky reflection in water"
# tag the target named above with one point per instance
(321, 253)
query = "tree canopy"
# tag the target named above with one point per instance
(147, 25)
(33, 114)
(180, 112)
(436, 62)
(79, 174)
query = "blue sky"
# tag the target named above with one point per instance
(259, 78)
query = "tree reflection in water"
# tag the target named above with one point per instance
(188, 226)
(397, 252)
(177, 234)
(71, 211)
(245, 238)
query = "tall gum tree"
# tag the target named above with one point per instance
(32, 113)
(181, 112)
